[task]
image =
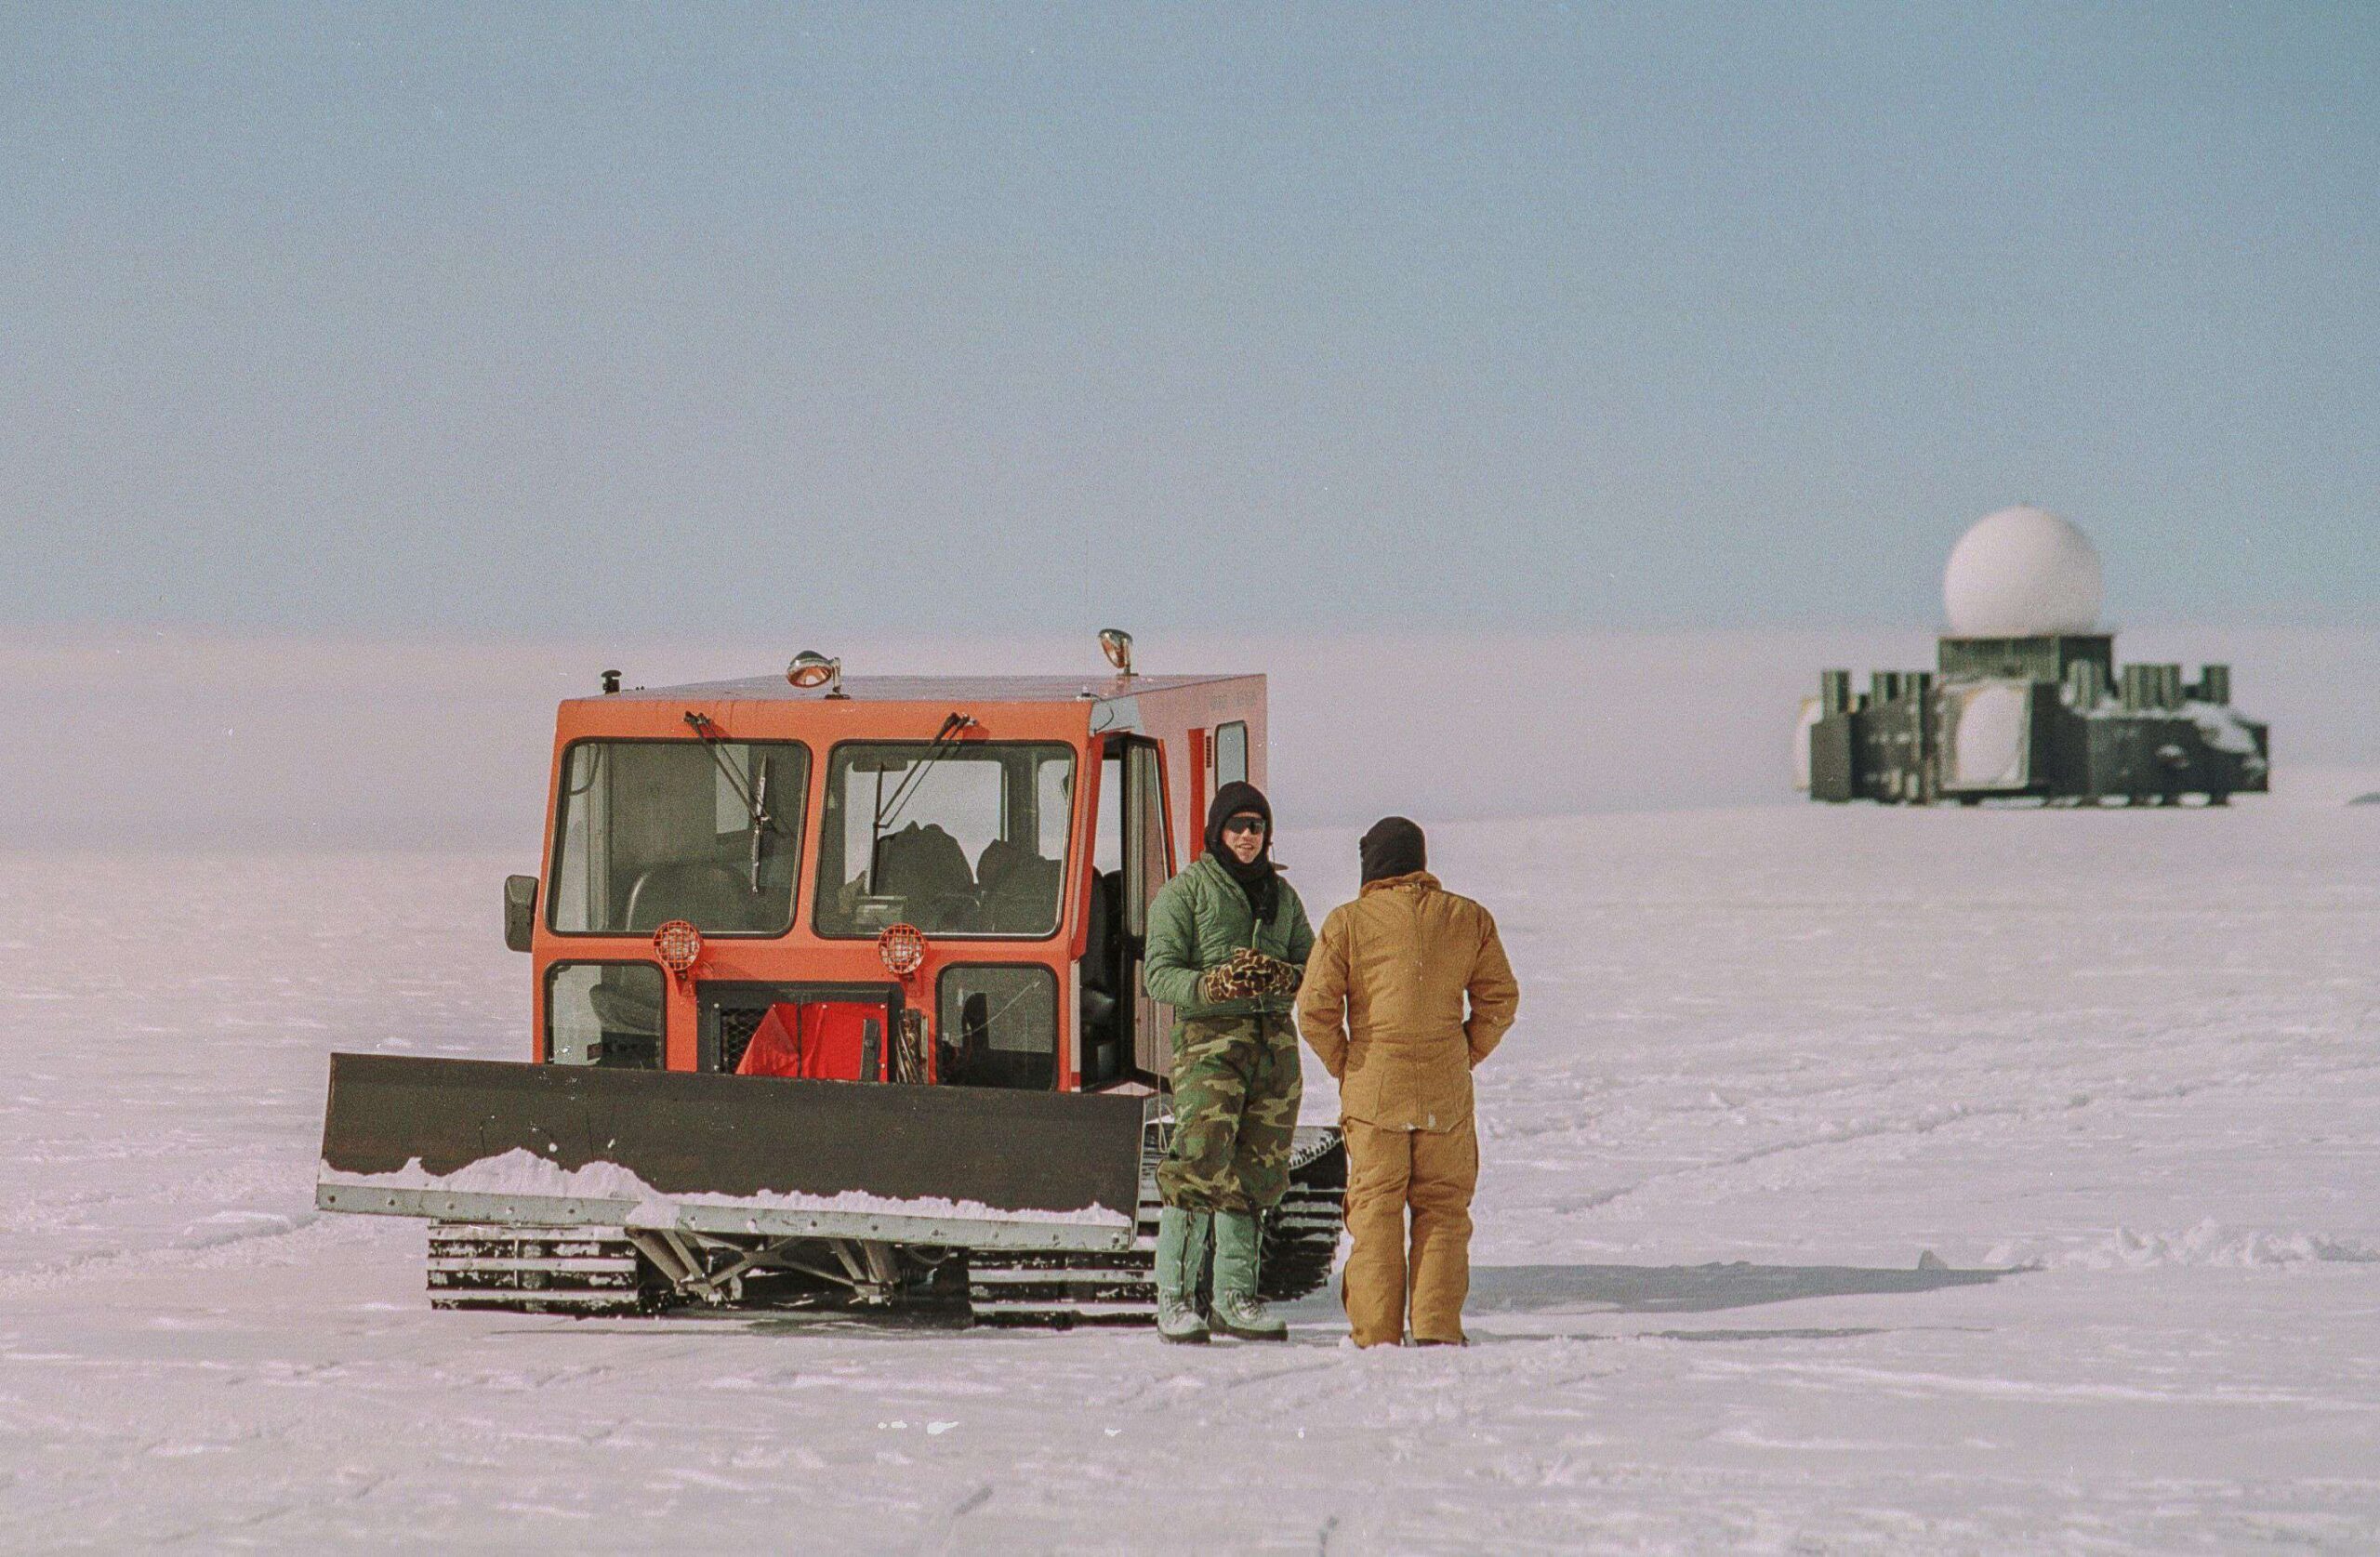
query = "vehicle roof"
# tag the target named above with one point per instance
(931, 689)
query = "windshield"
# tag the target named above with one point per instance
(650, 831)
(956, 839)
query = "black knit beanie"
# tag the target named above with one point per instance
(1258, 877)
(1394, 847)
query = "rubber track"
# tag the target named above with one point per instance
(1061, 1290)
(535, 1269)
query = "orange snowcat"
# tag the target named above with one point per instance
(836, 1000)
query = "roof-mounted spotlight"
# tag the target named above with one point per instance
(810, 670)
(1117, 644)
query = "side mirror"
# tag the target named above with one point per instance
(519, 910)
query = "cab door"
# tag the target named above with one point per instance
(1148, 865)
(1125, 1035)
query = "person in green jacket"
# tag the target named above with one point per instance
(1227, 945)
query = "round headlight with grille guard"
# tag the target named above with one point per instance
(678, 945)
(902, 949)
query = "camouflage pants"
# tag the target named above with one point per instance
(1235, 1091)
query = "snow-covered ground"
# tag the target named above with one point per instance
(1768, 1060)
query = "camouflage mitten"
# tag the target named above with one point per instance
(1242, 976)
(1285, 977)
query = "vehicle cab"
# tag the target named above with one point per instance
(923, 879)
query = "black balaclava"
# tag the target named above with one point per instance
(1394, 847)
(1257, 877)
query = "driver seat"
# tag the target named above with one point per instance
(711, 895)
(921, 864)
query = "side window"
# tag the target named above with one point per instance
(604, 1013)
(1230, 753)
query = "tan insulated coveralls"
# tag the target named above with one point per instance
(1384, 1006)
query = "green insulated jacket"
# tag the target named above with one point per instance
(1198, 919)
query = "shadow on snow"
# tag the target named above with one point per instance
(1505, 1289)
(1692, 1289)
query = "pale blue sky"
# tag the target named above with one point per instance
(591, 320)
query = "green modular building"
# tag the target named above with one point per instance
(2049, 717)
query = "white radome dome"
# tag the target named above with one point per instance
(2022, 573)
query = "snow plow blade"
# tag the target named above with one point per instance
(570, 1146)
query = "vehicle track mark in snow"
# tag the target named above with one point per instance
(1921, 1383)
(545, 1511)
(1931, 1120)
(1255, 1380)
(1806, 1333)
(939, 1536)
(2207, 1244)
(235, 1227)
(1937, 1118)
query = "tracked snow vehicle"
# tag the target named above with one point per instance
(836, 998)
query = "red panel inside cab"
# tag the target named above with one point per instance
(820, 1040)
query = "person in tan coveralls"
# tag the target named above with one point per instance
(1384, 1006)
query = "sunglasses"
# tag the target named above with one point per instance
(1245, 824)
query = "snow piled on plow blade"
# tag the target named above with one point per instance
(519, 1174)
(584, 1146)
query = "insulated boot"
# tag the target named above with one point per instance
(1181, 1253)
(1238, 1312)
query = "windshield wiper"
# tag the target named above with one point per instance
(761, 821)
(945, 741)
(756, 800)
